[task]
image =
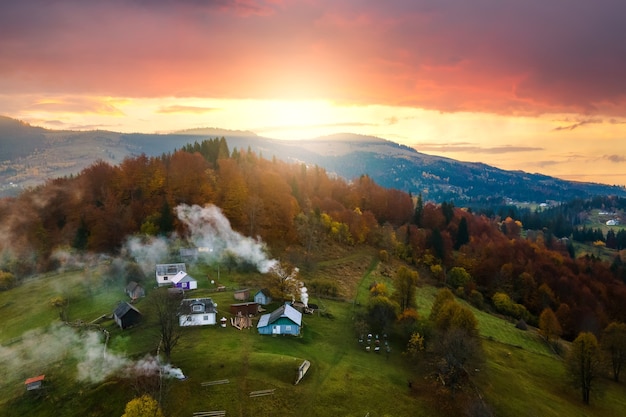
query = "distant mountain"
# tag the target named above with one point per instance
(30, 155)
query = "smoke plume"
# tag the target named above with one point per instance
(210, 232)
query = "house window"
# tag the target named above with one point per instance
(197, 308)
(206, 318)
(287, 328)
(164, 278)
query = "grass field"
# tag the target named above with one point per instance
(520, 375)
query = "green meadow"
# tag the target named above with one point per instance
(520, 375)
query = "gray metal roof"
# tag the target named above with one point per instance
(283, 311)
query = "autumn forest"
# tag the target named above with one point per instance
(295, 209)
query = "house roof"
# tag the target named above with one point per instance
(182, 276)
(132, 285)
(286, 311)
(208, 306)
(264, 291)
(34, 379)
(169, 269)
(124, 308)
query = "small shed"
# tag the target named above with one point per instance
(34, 383)
(197, 312)
(242, 295)
(263, 297)
(244, 309)
(185, 281)
(135, 291)
(125, 315)
(283, 320)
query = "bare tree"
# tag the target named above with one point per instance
(164, 307)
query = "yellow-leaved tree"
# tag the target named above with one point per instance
(144, 406)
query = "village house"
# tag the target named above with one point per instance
(263, 297)
(283, 320)
(165, 273)
(125, 315)
(184, 280)
(197, 312)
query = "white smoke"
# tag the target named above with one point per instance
(40, 349)
(147, 252)
(210, 229)
(304, 296)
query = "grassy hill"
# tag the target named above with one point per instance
(521, 376)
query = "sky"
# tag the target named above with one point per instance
(531, 85)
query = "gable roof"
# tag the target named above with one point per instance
(263, 291)
(286, 311)
(132, 285)
(208, 306)
(182, 276)
(123, 308)
(169, 269)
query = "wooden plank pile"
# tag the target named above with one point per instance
(241, 322)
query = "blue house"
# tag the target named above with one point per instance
(284, 320)
(262, 297)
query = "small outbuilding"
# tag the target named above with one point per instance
(283, 320)
(135, 291)
(244, 309)
(242, 295)
(125, 315)
(35, 383)
(197, 312)
(263, 297)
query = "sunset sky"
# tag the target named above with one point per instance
(532, 85)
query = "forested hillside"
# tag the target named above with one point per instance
(295, 209)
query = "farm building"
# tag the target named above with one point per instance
(126, 315)
(197, 312)
(135, 291)
(165, 273)
(283, 320)
(242, 295)
(245, 309)
(263, 297)
(184, 280)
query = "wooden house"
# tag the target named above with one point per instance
(125, 315)
(263, 297)
(283, 320)
(242, 295)
(165, 273)
(197, 312)
(135, 291)
(244, 309)
(185, 281)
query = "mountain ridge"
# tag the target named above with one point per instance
(30, 155)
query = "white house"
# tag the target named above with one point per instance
(197, 312)
(184, 280)
(165, 273)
